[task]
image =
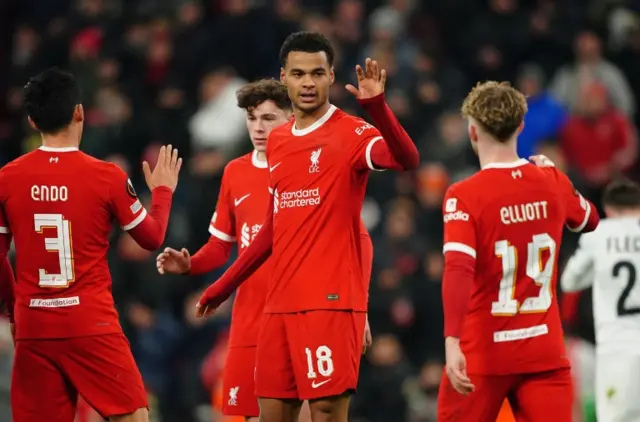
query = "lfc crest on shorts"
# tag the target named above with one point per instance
(233, 396)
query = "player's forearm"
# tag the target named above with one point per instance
(214, 254)
(150, 233)
(400, 145)
(246, 264)
(457, 283)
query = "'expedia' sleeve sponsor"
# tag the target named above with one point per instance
(223, 222)
(459, 226)
(366, 141)
(125, 204)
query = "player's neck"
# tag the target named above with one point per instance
(496, 153)
(304, 120)
(63, 139)
(261, 156)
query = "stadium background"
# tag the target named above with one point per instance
(166, 71)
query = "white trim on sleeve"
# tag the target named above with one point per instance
(221, 235)
(135, 221)
(587, 214)
(459, 247)
(5, 230)
(367, 154)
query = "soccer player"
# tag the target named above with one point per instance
(242, 204)
(502, 233)
(310, 339)
(609, 260)
(58, 204)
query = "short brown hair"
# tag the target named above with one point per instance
(622, 193)
(252, 95)
(497, 106)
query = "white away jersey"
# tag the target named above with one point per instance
(609, 259)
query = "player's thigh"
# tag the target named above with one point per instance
(326, 348)
(105, 374)
(140, 415)
(330, 409)
(39, 390)
(238, 383)
(279, 410)
(545, 396)
(482, 405)
(274, 376)
(618, 388)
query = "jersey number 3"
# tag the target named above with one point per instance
(61, 244)
(507, 305)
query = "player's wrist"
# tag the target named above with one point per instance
(372, 100)
(452, 342)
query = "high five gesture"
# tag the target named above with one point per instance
(371, 80)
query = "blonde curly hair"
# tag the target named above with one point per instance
(497, 107)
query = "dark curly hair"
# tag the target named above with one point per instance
(252, 95)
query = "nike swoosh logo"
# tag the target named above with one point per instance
(274, 167)
(239, 200)
(318, 384)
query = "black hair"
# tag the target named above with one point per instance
(622, 193)
(306, 42)
(50, 99)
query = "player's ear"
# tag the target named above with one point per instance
(332, 75)
(610, 212)
(78, 113)
(283, 77)
(520, 128)
(32, 124)
(473, 132)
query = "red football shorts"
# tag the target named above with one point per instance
(538, 397)
(309, 355)
(238, 383)
(49, 374)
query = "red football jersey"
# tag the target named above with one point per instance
(59, 205)
(318, 179)
(510, 218)
(242, 204)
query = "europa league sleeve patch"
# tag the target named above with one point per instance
(130, 190)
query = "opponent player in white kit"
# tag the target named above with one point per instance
(609, 260)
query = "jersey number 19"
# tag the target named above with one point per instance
(507, 305)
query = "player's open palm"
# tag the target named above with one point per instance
(371, 80)
(172, 261)
(166, 170)
(457, 370)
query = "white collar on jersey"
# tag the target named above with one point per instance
(322, 120)
(58, 149)
(509, 165)
(257, 162)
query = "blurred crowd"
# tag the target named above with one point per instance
(166, 71)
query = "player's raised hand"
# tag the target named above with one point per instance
(172, 261)
(166, 170)
(368, 339)
(457, 367)
(541, 161)
(371, 80)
